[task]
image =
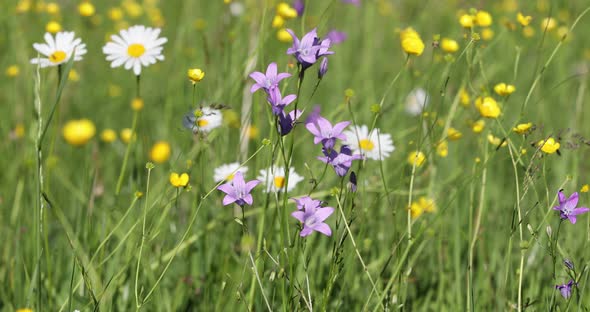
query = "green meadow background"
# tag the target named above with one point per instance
(485, 248)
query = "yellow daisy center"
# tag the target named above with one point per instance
(279, 182)
(57, 56)
(202, 122)
(136, 50)
(366, 144)
(230, 177)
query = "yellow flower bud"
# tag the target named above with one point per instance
(78, 132)
(284, 36)
(454, 134)
(523, 20)
(478, 126)
(137, 104)
(86, 9)
(160, 152)
(487, 34)
(449, 45)
(12, 71)
(548, 24)
(127, 135)
(108, 135)
(488, 107)
(411, 41)
(466, 20)
(116, 14)
(503, 89)
(53, 27)
(278, 22)
(285, 11)
(483, 19)
(523, 128)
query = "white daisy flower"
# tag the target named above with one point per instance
(203, 119)
(135, 47)
(374, 145)
(210, 119)
(416, 101)
(59, 50)
(274, 179)
(226, 172)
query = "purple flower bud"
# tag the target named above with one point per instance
(299, 6)
(569, 264)
(323, 68)
(352, 181)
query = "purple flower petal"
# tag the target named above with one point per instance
(323, 228)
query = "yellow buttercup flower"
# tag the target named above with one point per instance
(548, 24)
(24, 310)
(252, 132)
(549, 146)
(423, 204)
(53, 27)
(503, 89)
(127, 135)
(179, 180)
(160, 152)
(416, 157)
(464, 97)
(86, 9)
(108, 135)
(78, 132)
(73, 75)
(442, 149)
(523, 20)
(466, 20)
(496, 142)
(137, 104)
(523, 128)
(116, 14)
(278, 22)
(487, 34)
(12, 71)
(52, 8)
(483, 19)
(585, 188)
(478, 126)
(488, 107)
(411, 41)
(449, 45)
(454, 134)
(285, 11)
(284, 36)
(195, 75)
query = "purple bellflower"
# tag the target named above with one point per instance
(268, 81)
(287, 121)
(309, 49)
(567, 207)
(565, 289)
(278, 102)
(314, 115)
(312, 215)
(238, 191)
(341, 162)
(324, 132)
(336, 37)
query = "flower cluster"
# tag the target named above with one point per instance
(327, 134)
(312, 215)
(269, 83)
(309, 50)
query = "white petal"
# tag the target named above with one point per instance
(137, 68)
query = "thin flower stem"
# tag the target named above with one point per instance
(40, 201)
(358, 254)
(480, 210)
(143, 235)
(255, 270)
(127, 152)
(518, 209)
